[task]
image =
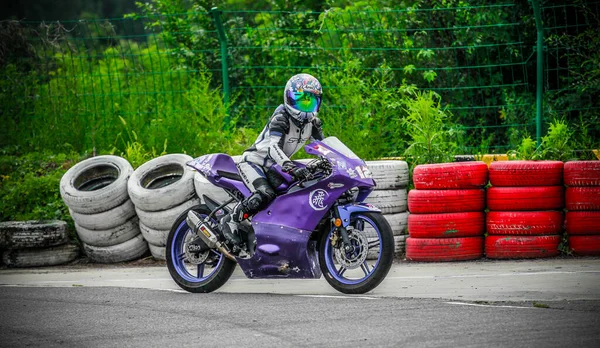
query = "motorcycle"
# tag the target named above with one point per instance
(317, 226)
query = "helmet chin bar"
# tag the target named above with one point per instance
(300, 116)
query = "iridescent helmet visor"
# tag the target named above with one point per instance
(304, 101)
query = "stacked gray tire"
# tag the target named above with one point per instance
(95, 190)
(36, 243)
(204, 187)
(161, 189)
(391, 178)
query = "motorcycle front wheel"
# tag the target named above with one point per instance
(193, 271)
(364, 267)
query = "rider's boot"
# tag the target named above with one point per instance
(230, 224)
(249, 206)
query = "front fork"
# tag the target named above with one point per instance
(340, 230)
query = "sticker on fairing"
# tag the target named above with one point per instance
(334, 185)
(202, 164)
(322, 150)
(316, 199)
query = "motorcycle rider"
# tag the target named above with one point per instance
(288, 129)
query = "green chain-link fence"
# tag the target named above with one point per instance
(444, 50)
(83, 75)
(572, 74)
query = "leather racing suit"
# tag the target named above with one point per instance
(281, 138)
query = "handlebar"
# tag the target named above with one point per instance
(320, 164)
(317, 166)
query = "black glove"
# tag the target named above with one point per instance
(317, 131)
(299, 173)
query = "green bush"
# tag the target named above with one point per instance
(430, 129)
(29, 186)
(560, 144)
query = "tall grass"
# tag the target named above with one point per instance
(123, 99)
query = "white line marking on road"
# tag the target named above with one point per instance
(482, 305)
(344, 297)
(493, 275)
(87, 282)
(171, 290)
(137, 279)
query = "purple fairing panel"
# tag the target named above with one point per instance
(286, 252)
(303, 208)
(352, 168)
(345, 211)
(213, 165)
(282, 252)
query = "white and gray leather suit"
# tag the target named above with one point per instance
(281, 138)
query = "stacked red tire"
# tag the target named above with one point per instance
(582, 200)
(525, 203)
(447, 218)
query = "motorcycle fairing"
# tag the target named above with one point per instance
(215, 166)
(304, 208)
(286, 252)
(282, 252)
(345, 211)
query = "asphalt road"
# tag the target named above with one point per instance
(126, 317)
(545, 303)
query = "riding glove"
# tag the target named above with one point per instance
(299, 173)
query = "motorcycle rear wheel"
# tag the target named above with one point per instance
(195, 275)
(361, 277)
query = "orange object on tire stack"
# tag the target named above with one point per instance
(525, 205)
(447, 218)
(583, 207)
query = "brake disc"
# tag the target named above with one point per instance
(358, 255)
(193, 256)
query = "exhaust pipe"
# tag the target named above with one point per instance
(207, 236)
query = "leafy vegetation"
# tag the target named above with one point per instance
(29, 185)
(422, 79)
(431, 133)
(558, 144)
(164, 83)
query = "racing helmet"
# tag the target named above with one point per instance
(302, 97)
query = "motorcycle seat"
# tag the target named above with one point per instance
(229, 175)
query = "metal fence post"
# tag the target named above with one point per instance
(216, 15)
(540, 69)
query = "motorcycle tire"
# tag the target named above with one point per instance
(198, 282)
(372, 277)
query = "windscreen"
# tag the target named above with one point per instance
(338, 146)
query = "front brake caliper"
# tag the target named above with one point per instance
(335, 239)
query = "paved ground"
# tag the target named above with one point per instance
(542, 303)
(525, 280)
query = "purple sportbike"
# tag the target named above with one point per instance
(315, 226)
